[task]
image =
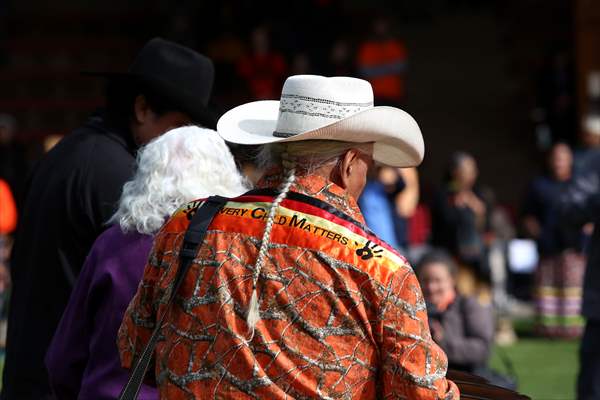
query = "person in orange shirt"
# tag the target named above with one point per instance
(382, 61)
(8, 210)
(8, 223)
(262, 69)
(290, 295)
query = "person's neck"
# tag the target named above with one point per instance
(314, 183)
(109, 123)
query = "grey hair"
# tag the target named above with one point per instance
(308, 155)
(181, 165)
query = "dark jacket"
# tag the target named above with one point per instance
(72, 193)
(455, 228)
(468, 333)
(580, 204)
(542, 202)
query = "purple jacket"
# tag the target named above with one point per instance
(83, 360)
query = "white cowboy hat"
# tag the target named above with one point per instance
(339, 108)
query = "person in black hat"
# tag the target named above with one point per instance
(74, 190)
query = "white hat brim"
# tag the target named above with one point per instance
(396, 136)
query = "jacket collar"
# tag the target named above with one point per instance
(99, 121)
(318, 187)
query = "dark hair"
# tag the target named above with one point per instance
(120, 99)
(456, 159)
(437, 257)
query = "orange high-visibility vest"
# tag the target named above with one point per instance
(8, 210)
(382, 64)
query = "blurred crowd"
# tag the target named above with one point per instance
(479, 262)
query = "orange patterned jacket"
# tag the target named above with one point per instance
(342, 314)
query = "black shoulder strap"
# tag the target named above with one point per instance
(191, 242)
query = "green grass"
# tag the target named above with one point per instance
(546, 369)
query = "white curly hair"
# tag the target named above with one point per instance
(179, 166)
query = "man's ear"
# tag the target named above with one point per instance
(344, 168)
(140, 109)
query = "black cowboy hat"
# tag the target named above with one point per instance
(180, 74)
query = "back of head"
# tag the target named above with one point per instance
(184, 164)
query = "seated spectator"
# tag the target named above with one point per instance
(181, 165)
(461, 326)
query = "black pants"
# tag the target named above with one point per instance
(588, 382)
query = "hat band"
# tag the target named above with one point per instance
(283, 134)
(297, 113)
(319, 107)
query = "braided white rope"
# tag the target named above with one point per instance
(253, 314)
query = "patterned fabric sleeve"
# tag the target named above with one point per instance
(414, 367)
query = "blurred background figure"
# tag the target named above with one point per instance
(389, 199)
(501, 231)
(262, 69)
(419, 232)
(8, 210)
(589, 142)
(182, 165)
(300, 65)
(405, 205)
(459, 324)
(556, 95)
(13, 173)
(340, 59)
(381, 60)
(559, 276)
(8, 223)
(226, 47)
(459, 221)
(13, 158)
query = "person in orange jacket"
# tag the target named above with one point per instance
(382, 60)
(8, 210)
(8, 223)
